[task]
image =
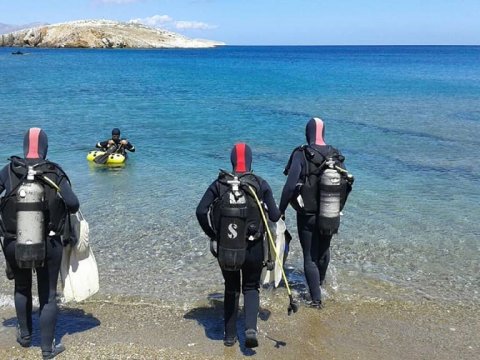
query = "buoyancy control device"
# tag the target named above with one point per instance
(33, 208)
(325, 188)
(30, 214)
(236, 218)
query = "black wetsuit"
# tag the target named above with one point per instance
(252, 267)
(47, 276)
(315, 245)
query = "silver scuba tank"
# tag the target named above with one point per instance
(30, 244)
(330, 197)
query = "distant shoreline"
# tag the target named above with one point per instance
(26, 47)
(100, 34)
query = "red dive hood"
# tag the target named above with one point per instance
(241, 158)
(35, 144)
(315, 131)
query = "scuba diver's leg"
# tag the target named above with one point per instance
(306, 230)
(324, 255)
(251, 273)
(232, 295)
(22, 295)
(47, 277)
(23, 304)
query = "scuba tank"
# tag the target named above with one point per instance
(30, 244)
(330, 193)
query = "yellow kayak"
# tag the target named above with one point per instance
(113, 159)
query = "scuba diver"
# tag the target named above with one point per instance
(317, 187)
(37, 198)
(230, 216)
(120, 144)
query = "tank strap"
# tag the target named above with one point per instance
(235, 212)
(36, 206)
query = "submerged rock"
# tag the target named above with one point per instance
(101, 34)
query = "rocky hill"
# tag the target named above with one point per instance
(100, 34)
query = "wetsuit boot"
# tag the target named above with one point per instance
(251, 340)
(56, 349)
(24, 340)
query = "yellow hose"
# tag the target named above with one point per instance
(51, 183)
(270, 237)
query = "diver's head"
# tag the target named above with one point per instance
(315, 131)
(241, 158)
(116, 134)
(35, 144)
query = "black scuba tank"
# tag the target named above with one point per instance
(30, 233)
(330, 192)
(232, 226)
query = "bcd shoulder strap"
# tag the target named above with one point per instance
(50, 167)
(249, 179)
(222, 182)
(17, 172)
(318, 157)
(290, 159)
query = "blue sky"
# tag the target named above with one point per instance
(275, 22)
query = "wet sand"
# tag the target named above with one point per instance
(134, 329)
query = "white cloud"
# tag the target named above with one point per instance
(165, 21)
(197, 25)
(154, 21)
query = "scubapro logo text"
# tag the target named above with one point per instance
(232, 231)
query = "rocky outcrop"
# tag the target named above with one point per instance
(100, 34)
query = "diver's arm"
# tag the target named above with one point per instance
(129, 146)
(292, 180)
(273, 211)
(102, 144)
(202, 209)
(68, 196)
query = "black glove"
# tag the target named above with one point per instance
(214, 247)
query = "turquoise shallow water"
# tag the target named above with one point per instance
(406, 118)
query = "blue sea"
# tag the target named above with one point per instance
(407, 119)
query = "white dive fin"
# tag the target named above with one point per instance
(79, 274)
(280, 249)
(267, 276)
(78, 271)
